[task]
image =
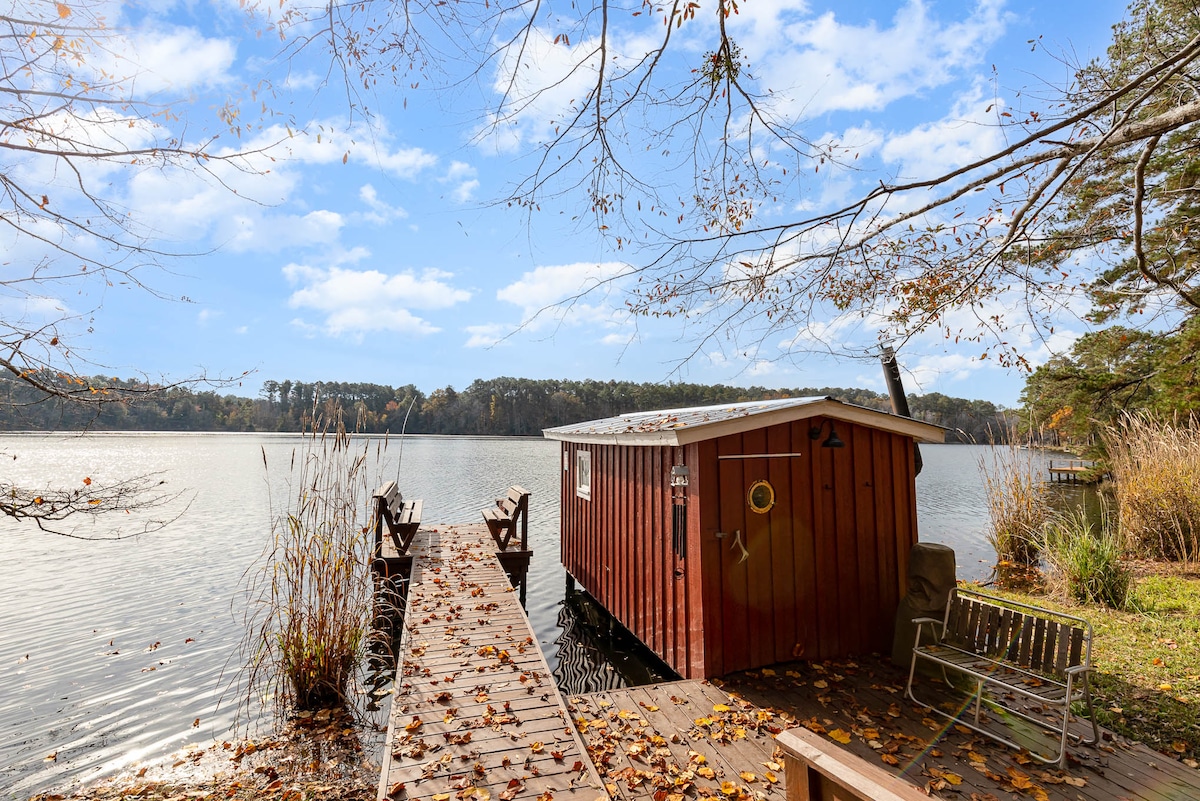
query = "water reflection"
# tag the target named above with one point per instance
(595, 653)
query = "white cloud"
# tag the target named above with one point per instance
(271, 233)
(859, 67)
(172, 58)
(353, 302)
(762, 367)
(548, 285)
(620, 340)
(970, 131)
(462, 175)
(485, 336)
(380, 212)
(543, 89)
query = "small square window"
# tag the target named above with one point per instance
(583, 474)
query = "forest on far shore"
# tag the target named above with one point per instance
(491, 407)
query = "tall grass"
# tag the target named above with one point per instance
(1156, 469)
(1084, 560)
(1017, 505)
(312, 592)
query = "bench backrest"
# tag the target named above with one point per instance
(389, 495)
(516, 498)
(1037, 639)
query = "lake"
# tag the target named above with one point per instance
(111, 651)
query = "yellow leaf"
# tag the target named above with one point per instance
(720, 708)
(747, 776)
(820, 684)
(64, 11)
(841, 736)
(441, 797)
(729, 788)
(953, 778)
(705, 772)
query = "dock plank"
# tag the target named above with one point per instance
(476, 714)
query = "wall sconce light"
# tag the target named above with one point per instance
(832, 441)
(679, 475)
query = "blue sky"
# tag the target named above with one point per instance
(372, 249)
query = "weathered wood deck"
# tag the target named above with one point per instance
(659, 738)
(476, 714)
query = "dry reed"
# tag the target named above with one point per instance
(1156, 470)
(312, 592)
(1017, 505)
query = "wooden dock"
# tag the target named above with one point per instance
(476, 714)
(703, 741)
(1073, 471)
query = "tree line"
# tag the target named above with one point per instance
(488, 407)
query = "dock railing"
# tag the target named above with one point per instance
(818, 771)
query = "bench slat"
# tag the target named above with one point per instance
(1047, 663)
(1076, 657)
(1026, 640)
(1064, 647)
(1039, 642)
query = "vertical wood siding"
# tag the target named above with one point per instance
(618, 546)
(825, 566)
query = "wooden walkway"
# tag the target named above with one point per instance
(687, 736)
(476, 714)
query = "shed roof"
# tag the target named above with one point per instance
(683, 426)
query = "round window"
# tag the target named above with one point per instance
(761, 496)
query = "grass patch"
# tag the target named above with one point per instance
(1084, 560)
(1147, 679)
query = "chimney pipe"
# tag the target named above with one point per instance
(891, 374)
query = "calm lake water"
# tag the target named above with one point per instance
(110, 651)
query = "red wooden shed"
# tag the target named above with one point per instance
(736, 536)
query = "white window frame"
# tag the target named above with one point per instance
(583, 474)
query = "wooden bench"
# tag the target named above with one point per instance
(817, 770)
(502, 519)
(1035, 658)
(402, 517)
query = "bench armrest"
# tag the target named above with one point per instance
(922, 620)
(1077, 669)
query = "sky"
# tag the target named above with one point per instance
(374, 247)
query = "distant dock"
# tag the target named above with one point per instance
(1074, 471)
(476, 713)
